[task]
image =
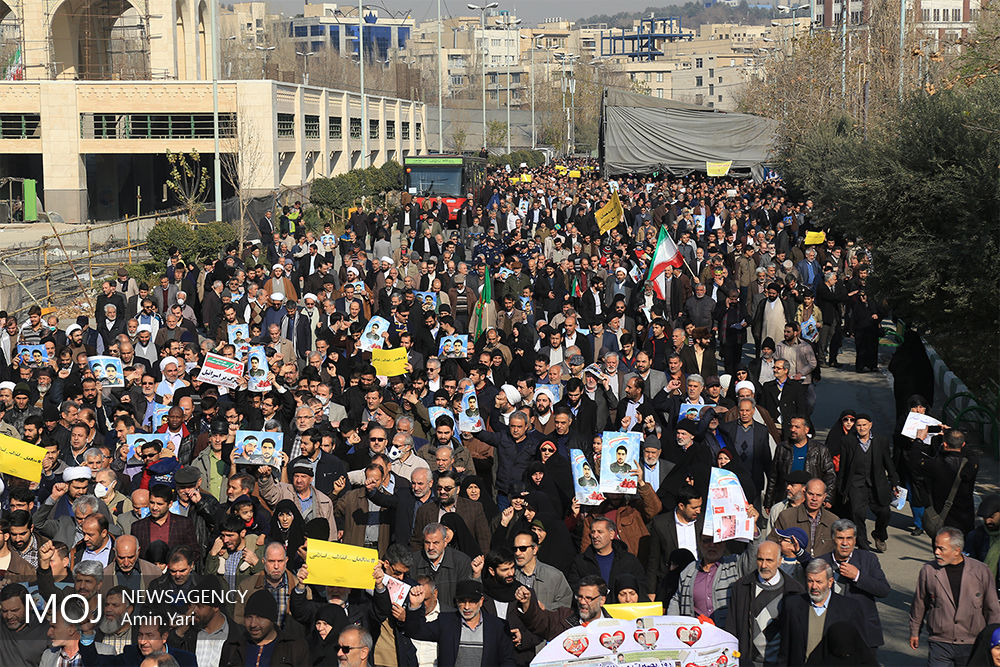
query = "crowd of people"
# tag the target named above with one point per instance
(179, 553)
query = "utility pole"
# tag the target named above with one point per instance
(533, 39)
(482, 52)
(902, 44)
(305, 64)
(440, 84)
(507, 22)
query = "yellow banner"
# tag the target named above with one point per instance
(630, 612)
(815, 238)
(718, 168)
(333, 564)
(515, 179)
(21, 459)
(610, 214)
(561, 169)
(574, 173)
(389, 362)
(526, 178)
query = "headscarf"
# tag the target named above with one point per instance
(490, 508)
(461, 539)
(292, 538)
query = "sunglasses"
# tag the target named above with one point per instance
(347, 649)
(520, 549)
(548, 450)
(849, 419)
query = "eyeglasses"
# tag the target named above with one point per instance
(548, 450)
(348, 649)
(445, 488)
(587, 599)
(848, 419)
(377, 439)
(524, 548)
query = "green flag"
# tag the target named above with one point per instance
(484, 298)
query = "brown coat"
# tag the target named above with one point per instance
(471, 513)
(631, 520)
(147, 572)
(19, 571)
(351, 510)
(822, 542)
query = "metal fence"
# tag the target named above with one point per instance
(64, 265)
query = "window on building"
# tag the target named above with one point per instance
(937, 14)
(956, 14)
(355, 128)
(311, 127)
(659, 93)
(699, 63)
(855, 18)
(301, 31)
(286, 125)
(390, 129)
(316, 30)
(495, 60)
(373, 129)
(493, 95)
(711, 72)
(699, 81)
(336, 128)
(260, 23)
(515, 77)
(418, 131)
(720, 98)
(493, 78)
(456, 80)
(23, 125)
(732, 62)
(711, 89)
(925, 15)
(659, 77)
(494, 42)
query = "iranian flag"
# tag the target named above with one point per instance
(665, 255)
(485, 298)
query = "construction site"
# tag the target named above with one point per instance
(95, 93)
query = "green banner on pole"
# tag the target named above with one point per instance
(30, 201)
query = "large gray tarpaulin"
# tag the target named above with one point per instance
(642, 134)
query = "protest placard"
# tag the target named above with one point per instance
(391, 362)
(21, 459)
(221, 371)
(334, 564)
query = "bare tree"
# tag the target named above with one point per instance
(242, 163)
(188, 180)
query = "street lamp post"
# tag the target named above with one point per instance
(440, 85)
(263, 66)
(534, 44)
(785, 9)
(567, 61)
(305, 64)
(507, 22)
(216, 161)
(482, 24)
(364, 100)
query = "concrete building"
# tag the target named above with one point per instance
(97, 147)
(249, 23)
(329, 26)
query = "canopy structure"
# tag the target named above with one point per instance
(642, 134)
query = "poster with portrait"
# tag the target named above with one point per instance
(239, 334)
(620, 462)
(726, 515)
(525, 304)
(427, 300)
(329, 241)
(435, 411)
(107, 370)
(159, 416)
(810, 331)
(136, 441)
(470, 420)
(646, 641)
(585, 483)
(692, 411)
(454, 347)
(33, 356)
(372, 336)
(359, 287)
(257, 370)
(259, 448)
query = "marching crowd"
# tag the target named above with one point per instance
(701, 292)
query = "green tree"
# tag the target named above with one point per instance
(188, 181)
(924, 193)
(496, 133)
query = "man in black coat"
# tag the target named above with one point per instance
(782, 397)
(858, 575)
(750, 440)
(867, 479)
(496, 647)
(757, 605)
(604, 542)
(807, 617)
(663, 537)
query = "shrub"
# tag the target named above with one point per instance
(344, 190)
(167, 234)
(211, 238)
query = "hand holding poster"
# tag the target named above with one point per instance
(435, 411)
(107, 370)
(454, 347)
(239, 334)
(372, 337)
(334, 564)
(259, 448)
(34, 356)
(727, 518)
(136, 441)
(620, 462)
(257, 370)
(389, 363)
(427, 300)
(585, 484)
(398, 590)
(21, 459)
(916, 421)
(221, 371)
(470, 419)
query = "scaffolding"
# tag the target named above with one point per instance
(11, 41)
(644, 43)
(98, 40)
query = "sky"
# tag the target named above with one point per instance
(531, 11)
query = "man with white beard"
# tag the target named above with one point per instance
(115, 632)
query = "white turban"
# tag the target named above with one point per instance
(745, 384)
(76, 472)
(547, 392)
(512, 394)
(169, 360)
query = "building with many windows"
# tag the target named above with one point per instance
(329, 26)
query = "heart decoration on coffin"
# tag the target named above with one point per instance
(612, 640)
(647, 637)
(689, 635)
(576, 644)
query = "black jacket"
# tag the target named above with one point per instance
(758, 457)
(791, 403)
(882, 473)
(741, 596)
(795, 626)
(624, 563)
(446, 631)
(818, 464)
(871, 584)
